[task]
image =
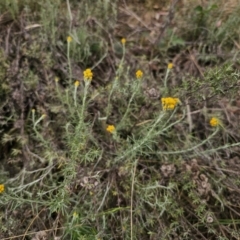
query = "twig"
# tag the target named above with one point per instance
(32, 223)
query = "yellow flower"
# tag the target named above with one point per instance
(75, 215)
(56, 79)
(139, 74)
(1, 188)
(169, 103)
(88, 74)
(114, 193)
(214, 122)
(110, 128)
(33, 111)
(123, 41)
(76, 84)
(170, 66)
(69, 39)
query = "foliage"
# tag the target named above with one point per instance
(102, 138)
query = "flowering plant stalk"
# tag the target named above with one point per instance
(76, 84)
(35, 123)
(87, 79)
(69, 40)
(136, 87)
(114, 86)
(115, 81)
(84, 100)
(38, 121)
(169, 69)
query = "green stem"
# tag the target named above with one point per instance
(130, 101)
(87, 84)
(115, 81)
(165, 79)
(189, 149)
(69, 62)
(75, 96)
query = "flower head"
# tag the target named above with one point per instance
(75, 215)
(88, 74)
(169, 103)
(214, 122)
(1, 188)
(69, 39)
(170, 66)
(110, 128)
(76, 84)
(56, 79)
(139, 74)
(123, 41)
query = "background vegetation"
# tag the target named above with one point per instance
(119, 119)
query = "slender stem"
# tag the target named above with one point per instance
(110, 95)
(130, 101)
(87, 83)
(75, 96)
(192, 148)
(70, 14)
(132, 189)
(165, 79)
(69, 62)
(115, 81)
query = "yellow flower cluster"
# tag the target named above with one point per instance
(76, 84)
(123, 41)
(170, 66)
(1, 188)
(169, 103)
(139, 74)
(88, 74)
(69, 39)
(110, 128)
(214, 122)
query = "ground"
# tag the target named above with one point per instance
(119, 119)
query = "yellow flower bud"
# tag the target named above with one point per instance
(76, 84)
(123, 41)
(69, 39)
